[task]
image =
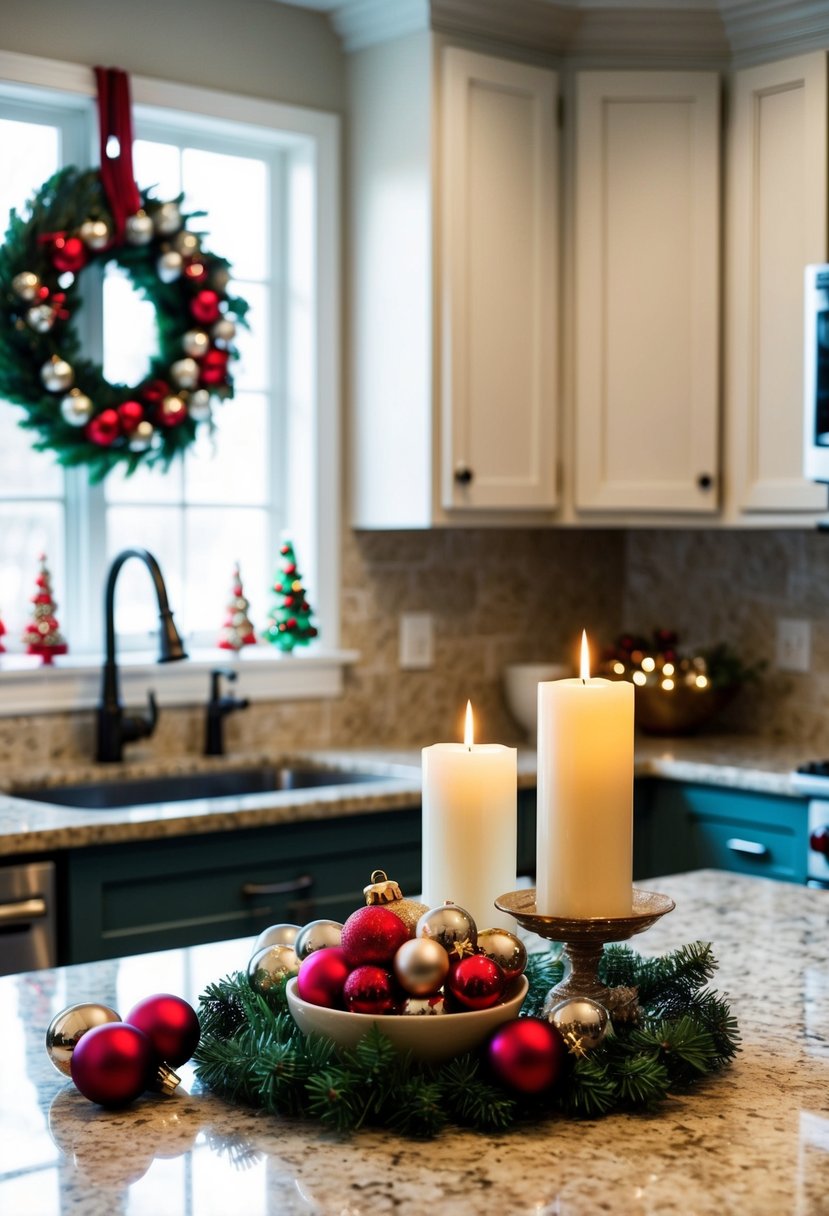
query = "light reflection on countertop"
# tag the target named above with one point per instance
(752, 1140)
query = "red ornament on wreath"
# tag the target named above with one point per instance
(373, 934)
(322, 977)
(104, 428)
(68, 256)
(130, 413)
(526, 1055)
(112, 1064)
(213, 368)
(171, 1025)
(205, 306)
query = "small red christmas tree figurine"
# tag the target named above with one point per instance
(290, 617)
(42, 635)
(2, 631)
(237, 630)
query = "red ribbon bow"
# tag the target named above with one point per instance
(115, 119)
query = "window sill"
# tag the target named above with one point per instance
(74, 682)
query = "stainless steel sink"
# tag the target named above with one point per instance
(106, 795)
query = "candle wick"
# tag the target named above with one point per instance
(583, 680)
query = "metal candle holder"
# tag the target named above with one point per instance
(584, 939)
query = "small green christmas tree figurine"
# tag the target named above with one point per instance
(42, 635)
(289, 620)
(237, 630)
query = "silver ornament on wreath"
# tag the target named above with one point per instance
(67, 1027)
(504, 948)
(57, 375)
(76, 408)
(95, 234)
(199, 405)
(224, 331)
(185, 373)
(40, 318)
(453, 927)
(581, 1022)
(420, 966)
(138, 229)
(169, 266)
(167, 219)
(195, 343)
(316, 935)
(186, 243)
(142, 437)
(276, 935)
(270, 966)
(26, 284)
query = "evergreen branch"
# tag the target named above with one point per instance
(591, 1090)
(641, 1080)
(542, 972)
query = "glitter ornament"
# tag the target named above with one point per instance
(581, 1022)
(453, 927)
(420, 966)
(385, 891)
(476, 982)
(171, 1025)
(372, 935)
(67, 1027)
(322, 976)
(526, 1055)
(504, 948)
(113, 1064)
(276, 935)
(270, 966)
(318, 935)
(369, 989)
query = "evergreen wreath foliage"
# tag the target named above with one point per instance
(66, 201)
(252, 1052)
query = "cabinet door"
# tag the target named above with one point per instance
(777, 192)
(498, 312)
(647, 291)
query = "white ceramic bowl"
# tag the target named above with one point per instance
(429, 1038)
(521, 682)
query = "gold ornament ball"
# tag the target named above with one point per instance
(94, 234)
(76, 408)
(224, 330)
(270, 966)
(199, 406)
(57, 375)
(409, 911)
(420, 966)
(504, 948)
(67, 1027)
(142, 437)
(187, 244)
(581, 1022)
(138, 229)
(167, 219)
(276, 935)
(219, 278)
(195, 343)
(169, 266)
(185, 372)
(26, 284)
(40, 318)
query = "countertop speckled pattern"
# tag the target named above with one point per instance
(752, 1140)
(26, 827)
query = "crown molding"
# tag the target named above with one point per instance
(362, 23)
(772, 29)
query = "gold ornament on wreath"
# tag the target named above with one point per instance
(80, 218)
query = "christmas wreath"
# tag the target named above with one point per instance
(82, 217)
(668, 1030)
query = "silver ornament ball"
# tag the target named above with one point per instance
(142, 437)
(276, 935)
(187, 243)
(195, 343)
(426, 1006)
(451, 926)
(316, 935)
(199, 406)
(57, 375)
(76, 408)
(40, 318)
(270, 966)
(26, 284)
(420, 966)
(167, 219)
(94, 234)
(169, 266)
(138, 229)
(581, 1022)
(66, 1028)
(224, 331)
(504, 948)
(185, 373)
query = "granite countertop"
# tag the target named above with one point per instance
(733, 761)
(754, 1139)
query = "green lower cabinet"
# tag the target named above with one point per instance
(160, 894)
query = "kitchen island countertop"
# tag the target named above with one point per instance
(753, 1139)
(730, 761)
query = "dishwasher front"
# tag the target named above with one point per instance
(27, 917)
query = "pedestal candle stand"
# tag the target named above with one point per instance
(584, 940)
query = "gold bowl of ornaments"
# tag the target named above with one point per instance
(428, 979)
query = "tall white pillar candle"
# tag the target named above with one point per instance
(470, 826)
(585, 797)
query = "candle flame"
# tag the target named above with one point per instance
(585, 657)
(468, 733)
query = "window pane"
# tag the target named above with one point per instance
(24, 472)
(130, 330)
(146, 486)
(231, 465)
(30, 155)
(26, 531)
(233, 190)
(251, 371)
(157, 166)
(216, 538)
(156, 529)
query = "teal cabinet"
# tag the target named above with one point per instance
(184, 891)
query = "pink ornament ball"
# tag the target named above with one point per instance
(171, 1025)
(373, 935)
(526, 1055)
(322, 976)
(112, 1064)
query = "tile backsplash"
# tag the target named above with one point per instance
(502, 596)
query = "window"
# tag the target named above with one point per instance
(266, 177)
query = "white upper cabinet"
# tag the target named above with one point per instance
(777, 209)
(647, 199)
(499, 284)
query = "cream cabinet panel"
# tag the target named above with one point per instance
(647, 291)
(777, 224)
(498, 245)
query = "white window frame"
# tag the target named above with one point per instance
(72, 683)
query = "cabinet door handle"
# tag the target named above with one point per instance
(22, 910)
(250, 890)
(705, 481)
(463, 474)
(751, 847)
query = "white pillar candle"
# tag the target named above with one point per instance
(470, 826)
(585, 796)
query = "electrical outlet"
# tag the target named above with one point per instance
(417, 640)
(794, 644)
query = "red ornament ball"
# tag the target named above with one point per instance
(205, 306)
(172, 411)
(213, 368)
(112, 1064)
(322, 976)
(153, 392)
(171, 1025)
(369, 990)
(68, 254)
(373, 935)
(526, 1055)
(476, 982)
(104, 428)
(130, 414)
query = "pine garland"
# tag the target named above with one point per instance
(252, 1052)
